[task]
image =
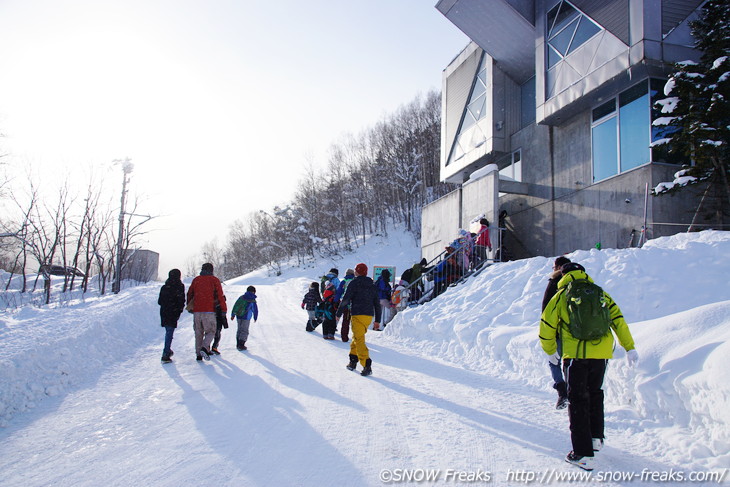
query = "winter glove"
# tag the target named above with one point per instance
(554, 358)
(633, 357)
(233, 317)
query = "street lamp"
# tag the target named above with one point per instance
(127, 168)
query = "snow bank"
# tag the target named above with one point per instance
(47, 351)
(674, 295)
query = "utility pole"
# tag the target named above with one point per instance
(127, 167)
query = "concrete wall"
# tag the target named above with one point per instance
(440, 224)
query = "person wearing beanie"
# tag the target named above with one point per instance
(245, 309)
(584, 361)
(345, 326)
(329, 321)
(555, 369)
(362, 298)
(310, 302)
(172, 303)
(205, 293)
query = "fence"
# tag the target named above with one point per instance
(452, 266)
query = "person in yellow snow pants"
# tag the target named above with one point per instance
(359, 326)
(361, 296)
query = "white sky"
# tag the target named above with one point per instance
(218, 103)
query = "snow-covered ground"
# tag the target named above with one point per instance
(460, 391)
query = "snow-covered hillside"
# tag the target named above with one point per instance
(459, 385)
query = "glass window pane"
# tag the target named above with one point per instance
(468, 121)
(561, 41)
(553, 57)
(518, 171)
(605, 153)
(604, 110)
(634, 130)
(551, 17)
(585, 31)
(478, 107)
(527, 108)
(633, 93)
(483, 75)
(565, 16)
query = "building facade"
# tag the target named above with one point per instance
(557, 96)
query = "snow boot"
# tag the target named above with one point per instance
(562, 389)
(353, 362)
(205, 354)
(166, 359)
(310, 328)
(214, 351)
(367, 370)
(586, 463)
(597, 444)
(199, 358)
(243, 345)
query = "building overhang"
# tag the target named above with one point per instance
(503, 28)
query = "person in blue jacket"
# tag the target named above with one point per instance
(385, 292)
(245, 309)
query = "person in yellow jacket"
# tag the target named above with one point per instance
(584, 365)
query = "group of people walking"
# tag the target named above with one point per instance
(576, 331)
(207, 302)
(356, 300)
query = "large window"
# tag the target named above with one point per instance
(470, 134)
(527, 105)
(514, 170)
(567, 30)
(621, 131)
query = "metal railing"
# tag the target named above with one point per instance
(449, 268)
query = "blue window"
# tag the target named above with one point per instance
(621, 131)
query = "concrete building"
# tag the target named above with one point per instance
(140, 265)
(558, 95)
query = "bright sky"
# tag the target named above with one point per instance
(218, 103)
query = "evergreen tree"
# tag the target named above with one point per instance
(697, 104)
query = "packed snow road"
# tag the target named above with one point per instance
(287, 412)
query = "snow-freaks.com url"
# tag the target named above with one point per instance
(646, 475)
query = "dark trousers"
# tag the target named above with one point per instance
(345, 326)
(329, 326)
(585, 379)
(217, 336)
(169, 332)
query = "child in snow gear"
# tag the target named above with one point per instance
(245, 309)
(331, 276)
(584, 363)
(310, 302)
(172, 303)
(204, 291)
(555, 366)
(345, 326)
(329, 324)
(362, 296)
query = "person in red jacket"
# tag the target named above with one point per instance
(205, 293)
